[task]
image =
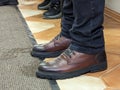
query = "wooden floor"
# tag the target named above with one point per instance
(44, 30)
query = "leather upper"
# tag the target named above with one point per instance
(72, 61)
(58, 43)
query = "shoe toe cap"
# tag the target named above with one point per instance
(38, 47)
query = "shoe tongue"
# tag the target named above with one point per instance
(57, 37)
(54, 5)
(68, 52)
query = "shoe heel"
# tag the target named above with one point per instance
(100, 67)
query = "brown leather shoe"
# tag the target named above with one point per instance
(52, 49)
(71, 64)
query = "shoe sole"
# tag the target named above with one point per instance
(43, 55)
(58, 75)
(53, 17)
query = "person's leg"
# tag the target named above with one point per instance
(87, 30)
(55, 47)
(86, 52)
(67, 18)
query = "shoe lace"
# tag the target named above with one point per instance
(68, 54)
(54, 6)
(58, 37)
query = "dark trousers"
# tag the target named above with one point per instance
(82, 22)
